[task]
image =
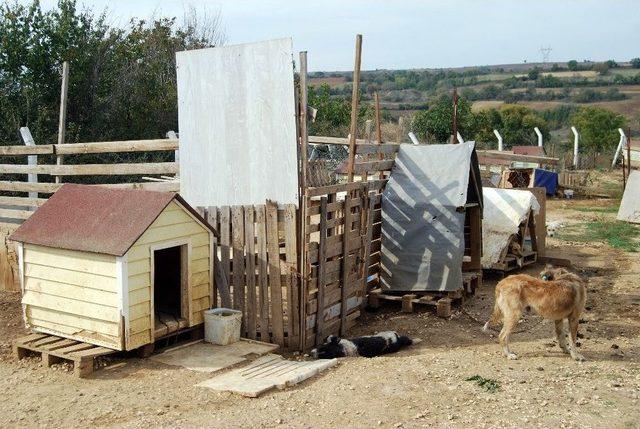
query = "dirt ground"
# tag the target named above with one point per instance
(423, 386)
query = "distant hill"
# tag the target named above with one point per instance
(615, 86)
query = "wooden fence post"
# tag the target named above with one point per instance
(62, 122)
(354, 109)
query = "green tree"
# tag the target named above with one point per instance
(435, 125)
(533, 73)
(572, 65)
(612, 64)
(122, 82)
(635, 63)
(601, 68)
(333, 116)
(518, 123)
(598, 128)
(485, 121)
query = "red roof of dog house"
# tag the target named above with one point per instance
(97, 219)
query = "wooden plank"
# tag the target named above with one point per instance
(225, 243)
(22, 201)
(237, 233)
(340, 141)
(41, 149)
(212, 219)
(263, 285)
(50, 188)
(292, 283)
(363, 167)
(93, 169)
(250, 266)
(275, 286)
(345, 187)
(15, 214)
(373, 149)
(348, 218)
(93, 352)
(322, 270)
(116, 146)
(366, 253)
(495, 154)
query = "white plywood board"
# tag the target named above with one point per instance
(266, 373)
(207, 357)
(237, 124)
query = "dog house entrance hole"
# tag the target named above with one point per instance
(170, 289)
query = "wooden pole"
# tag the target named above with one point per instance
(378, 127)
(376, 98)
(354, 108)
(455, 116)
(302, 210)
(304, 131)
(62, 123)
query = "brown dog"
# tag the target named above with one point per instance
(559, 295)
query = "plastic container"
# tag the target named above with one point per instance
(568, 194)
(222, 326)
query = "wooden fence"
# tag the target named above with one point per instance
(28, 176)
(257, 249)
(341, 242)
(298, 274)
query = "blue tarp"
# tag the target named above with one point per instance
(547, 179)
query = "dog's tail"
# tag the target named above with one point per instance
(495, 318)
(404, 341)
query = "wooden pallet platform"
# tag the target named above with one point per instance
(54, 349)
(408, 300)
(439, 300)
(514, 262)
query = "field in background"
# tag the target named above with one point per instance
(398, 100)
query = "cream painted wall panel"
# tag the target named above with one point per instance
(70, 291)
(71, 323)
(173, 224)
(73, 260)
(86, 280)
(71, 306)
(237, 122)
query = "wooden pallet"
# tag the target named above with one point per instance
(441, 301)
(515, 262)
(55, 349)
(408, 300)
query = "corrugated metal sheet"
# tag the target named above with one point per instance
(96, 219)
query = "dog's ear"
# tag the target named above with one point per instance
(333, 339)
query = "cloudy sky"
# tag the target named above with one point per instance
(414, 34)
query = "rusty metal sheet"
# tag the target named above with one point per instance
(95, 219)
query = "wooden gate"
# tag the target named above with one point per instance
(339, 231)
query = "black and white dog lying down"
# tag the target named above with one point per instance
(368, 346)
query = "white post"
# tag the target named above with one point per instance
(499, 137)
(413, 138)
(576, 138)
(367, 130)
(176, 154)
(460, 139)
(622, 143)
(31, 159)
(537, 130)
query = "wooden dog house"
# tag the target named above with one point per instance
(113, 267)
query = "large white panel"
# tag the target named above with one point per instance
(237, 123)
